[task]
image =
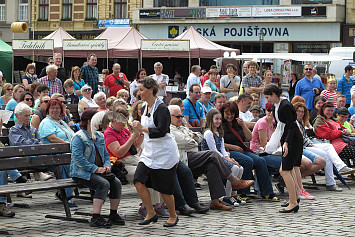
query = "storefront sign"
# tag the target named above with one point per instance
(104, 23)
(310, 48)
(33, 44)
(84, 45)
(314, 11)
(282, 32)
(228, 12)
(183, 13)
(286, 72)
(275, 11)
(149, 13)
(165, 45)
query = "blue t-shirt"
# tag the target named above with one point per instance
(213, 88)
(48, 127)
(1, 101)
(77, 86)
(11, 106)
(344, 86)
(190, 111)
(305, 88)
(351, 110)
(204, 107)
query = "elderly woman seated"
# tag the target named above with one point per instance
(100, 100)
(54, 130)
(86, 101)
(66, 117)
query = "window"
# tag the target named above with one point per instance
(67, 9)
(23, 10)
(43, 9)
(170, 3)
(237, 2)
(2, 10)
(91, 9)
(312, 2)
(120, 8)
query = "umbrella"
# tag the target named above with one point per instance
(335, 171)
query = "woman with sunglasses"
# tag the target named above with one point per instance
(40, 113)
(7, 93)
(78, 82)
(28, 99)
(66, 116)
(86, 101)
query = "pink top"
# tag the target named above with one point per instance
(112, 135)
(262, 124)
(330, 96)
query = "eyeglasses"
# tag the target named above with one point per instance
(87, 89)
(104, 73)
(9, 89)
(178, 116)
(29, 99)
(308, 69)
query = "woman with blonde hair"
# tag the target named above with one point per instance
(7, 90)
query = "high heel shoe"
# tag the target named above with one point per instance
(295, 209)
(286, 204)
(167, 224)
(147, 222)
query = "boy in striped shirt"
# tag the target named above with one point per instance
(330, 94)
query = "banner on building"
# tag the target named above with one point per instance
(104, 23)
(165, 45)
(84, 45)
(314, 11)
(149, 13)
(228, 12)
(33, 44)
(276, 11)
(183, 13)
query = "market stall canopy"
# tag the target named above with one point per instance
(6, 60)
(200, 47)
(305, 57)
(57, 36)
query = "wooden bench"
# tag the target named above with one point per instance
(39, 156)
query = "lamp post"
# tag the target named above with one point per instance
(261, 39)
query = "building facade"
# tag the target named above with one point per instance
(299, 26)
(13, 11)
(80, 18)
(349, 26)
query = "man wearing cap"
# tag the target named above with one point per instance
(192, 113)
(204, 102)
(345, 83)
(230, 83)
(342, 116)
(255, 111)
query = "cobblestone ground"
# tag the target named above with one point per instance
(330, 214)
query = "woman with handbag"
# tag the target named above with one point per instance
(159, 158)
(236, 133)
(90, 166)
(325, 127)
(286, 133)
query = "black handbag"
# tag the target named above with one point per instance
(133, 150)
(108, 176)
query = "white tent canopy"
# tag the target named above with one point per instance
(291, 56)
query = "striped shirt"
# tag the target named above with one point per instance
(54, 86)
(330, 96)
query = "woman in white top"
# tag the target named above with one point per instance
(86, 101)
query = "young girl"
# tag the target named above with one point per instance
(330, 94)
(213, 140)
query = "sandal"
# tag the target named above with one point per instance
(272, 197)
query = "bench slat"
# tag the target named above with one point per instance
(34, 150)
(37, 186)
(34, 161)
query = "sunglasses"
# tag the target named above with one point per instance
(51, 62)
(87, 89)
(308, 69)
(45, 101)
(178, 116)
(29, 99)
(9, 89)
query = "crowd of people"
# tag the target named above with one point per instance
(129, 132)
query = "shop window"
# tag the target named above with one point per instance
(170, 3)
(120, 8)
(91, 12)
(23, 10)
(312, 1)
(2, 10)
(67, 9)
(205, 3)
(43, 10)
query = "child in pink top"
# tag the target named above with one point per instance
(330, 93)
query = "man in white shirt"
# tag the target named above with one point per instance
(162, 79)
(244, 102)
(230, 83)
(193, 78)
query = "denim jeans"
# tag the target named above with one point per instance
(14, 174)
(101, 186)
(250, 161)
(184, 190)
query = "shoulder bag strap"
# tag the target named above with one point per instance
(194, 108)
(245, 148)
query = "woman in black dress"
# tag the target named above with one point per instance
(288, 133)
(292, 86)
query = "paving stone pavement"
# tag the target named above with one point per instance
(330, 214)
